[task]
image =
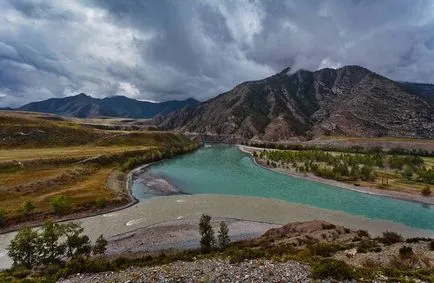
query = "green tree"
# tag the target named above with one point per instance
(207, 240)
(223, 236)
(2, 217)
(407, 172)
(60, 205)
(76, 243)
(27, 208)
(24, 249)
(355, 172)
(100, 245)
(51, 246)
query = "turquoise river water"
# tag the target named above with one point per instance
(222, 169)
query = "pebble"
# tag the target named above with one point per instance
(206, 270)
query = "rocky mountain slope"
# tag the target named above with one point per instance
(350, 101)
(84, 106)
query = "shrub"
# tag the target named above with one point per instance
(27, 208)
(207, 240)
(239, 255)
(324, 249)
(405, 252)
(332, 268)
(20, 272)
(390, 238)
(2, 217)
(431, 245)
(426, 191)
(100, 203)
(100, 245)
(366, 245)
(363, 233)
(223, 236)
(60, 205)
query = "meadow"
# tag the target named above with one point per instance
(54, 167)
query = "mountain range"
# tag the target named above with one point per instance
(350, 101)
(85, 106)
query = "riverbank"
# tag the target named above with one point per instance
(429, 200)
(160, 210)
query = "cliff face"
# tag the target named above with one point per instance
(349, 101)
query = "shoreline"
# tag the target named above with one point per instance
(361, 189)
(178, 208)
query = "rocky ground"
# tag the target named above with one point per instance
(179, 234)
(205, 271)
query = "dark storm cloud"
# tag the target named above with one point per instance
(160, 50)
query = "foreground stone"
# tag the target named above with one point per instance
(205, 271)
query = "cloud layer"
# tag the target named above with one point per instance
(161, 50)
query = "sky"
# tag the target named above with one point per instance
(161, 50)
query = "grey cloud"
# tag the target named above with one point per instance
(160, 50)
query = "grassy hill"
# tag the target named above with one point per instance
(46, 159)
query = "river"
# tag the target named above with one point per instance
(222, 181)
(225, 170)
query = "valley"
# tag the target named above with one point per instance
(314, 149)
(51, 167)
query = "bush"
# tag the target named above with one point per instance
(390, 238)
(405, 252)
(363, 233)
(324, 249)
(27, 208)
(332, 268)
(60, 205)
(239, 255)
(426, 191)
(100, 203)
(431, 245)
(366, 245)
(100, 245)
(2, 217)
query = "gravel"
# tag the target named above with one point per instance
(205, 271)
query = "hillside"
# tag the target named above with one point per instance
(46, 157)
(349, 101)
(85, 106)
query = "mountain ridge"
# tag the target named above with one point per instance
(85, 106)
(351, 100)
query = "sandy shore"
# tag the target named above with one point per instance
(159, 210)
(180, 234)
(367, 190)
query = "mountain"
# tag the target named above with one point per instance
(350, 101)
(425, 90)
(85, 106)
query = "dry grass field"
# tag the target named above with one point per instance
(47, 162)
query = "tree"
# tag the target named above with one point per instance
(207, 240)
(223, 236)
(76, 243)
(60, 205)
(24, 249)
(2, 217)
(28, 207)
(100, 245)
(407, 172)
(51, 247)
